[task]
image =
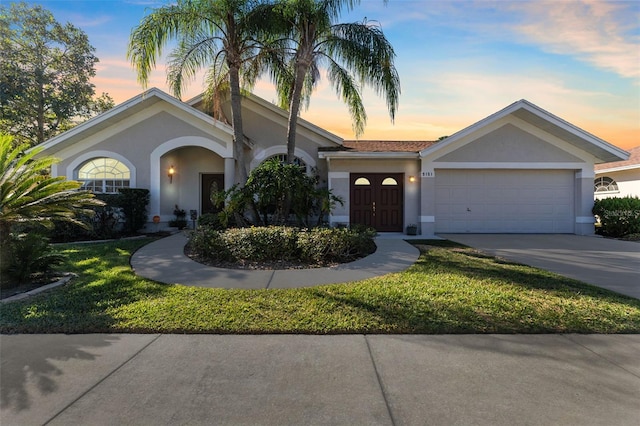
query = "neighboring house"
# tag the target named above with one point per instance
(618, 178)
(521, 169)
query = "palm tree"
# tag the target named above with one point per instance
(28, 194)
(214, 34)
(354, 54)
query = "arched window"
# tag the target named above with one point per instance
(104, 175)
(605, 184)
(283, 159)
(361, 181)
(389, 182)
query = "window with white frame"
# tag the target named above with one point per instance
(104, 175)
(605, 184)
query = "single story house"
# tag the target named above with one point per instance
(619, 178)
(520, 170)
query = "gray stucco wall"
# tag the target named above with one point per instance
(509, 144)
(136, 143)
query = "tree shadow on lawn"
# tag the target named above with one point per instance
(491, 304)
(82, 305)
(477, 265)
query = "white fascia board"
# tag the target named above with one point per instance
(472, 128)
(93, 121)
(121, 108)
(618, 169)
(301, 122)
(554, 119)
(536, 110)
(357, 155)
(507, 165)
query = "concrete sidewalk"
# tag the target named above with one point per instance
(164, 261)
(113, 379)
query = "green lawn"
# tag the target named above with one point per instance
(450, 289)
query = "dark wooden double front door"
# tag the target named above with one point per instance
(376, 200)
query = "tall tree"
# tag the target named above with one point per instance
(45, 72)
(28, 194)
(353, 54)
(215, 35)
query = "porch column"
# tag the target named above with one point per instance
(427, 200)
(229, 173)
(584, 202)
(339, 185)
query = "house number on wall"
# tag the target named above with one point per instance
(428, 174)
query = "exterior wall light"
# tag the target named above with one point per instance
(172, 171)
(412, 179)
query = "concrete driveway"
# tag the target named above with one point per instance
(607, 263)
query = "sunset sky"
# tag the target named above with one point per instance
(458, 62)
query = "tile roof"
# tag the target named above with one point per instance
(634, 160)
(381, 146)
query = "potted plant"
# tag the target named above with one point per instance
(180, 221)
(412, 229)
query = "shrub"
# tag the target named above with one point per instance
(335, 244)
(105, 223)
(209, 244)
(134, 202)
(211, 221)
(31, 255)
(279, 243)
(274, 191)
(618, 216)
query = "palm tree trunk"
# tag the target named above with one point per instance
(294, 110)
(236, 118)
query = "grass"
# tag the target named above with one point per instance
(451, 289)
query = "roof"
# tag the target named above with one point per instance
(632, 163)
(536, 116)
(127, 108)
(283, 114)
(380, 146)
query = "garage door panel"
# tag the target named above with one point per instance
(527, 201)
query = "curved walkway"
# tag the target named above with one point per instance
(164, 261)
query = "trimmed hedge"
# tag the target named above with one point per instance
(280, 243)
(618, 216)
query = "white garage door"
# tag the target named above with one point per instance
(504, 201)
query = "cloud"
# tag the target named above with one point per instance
(600, 33)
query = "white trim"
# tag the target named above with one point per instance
(338, 175)
(430, 219)
(585, 219)
(535, 110)
(71, 168)
(359, 155)
(508, 165)
(306, 128)
(282, 149)
(124, 108)
(617, 169)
